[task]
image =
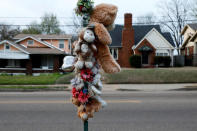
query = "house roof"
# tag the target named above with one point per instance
(193, 26)
(140, 32)
(43, 51)
(52, 51)
(41, 36)
(21, 48)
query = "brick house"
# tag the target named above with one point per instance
(147, 41)
(189, 45)
(34, 54)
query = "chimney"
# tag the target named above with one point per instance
(128, 21)
(127, 41)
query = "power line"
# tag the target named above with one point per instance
(70, 25)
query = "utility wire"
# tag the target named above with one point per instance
(70, 25)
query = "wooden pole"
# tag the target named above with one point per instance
(85, 125)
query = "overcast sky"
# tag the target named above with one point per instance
(64, 8)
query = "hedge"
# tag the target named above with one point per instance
(135, 61)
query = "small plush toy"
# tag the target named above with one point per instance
(85, 49)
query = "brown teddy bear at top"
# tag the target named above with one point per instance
(103, 17)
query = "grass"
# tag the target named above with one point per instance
(30, 88)
(153, 76)
(65, 79)
(29, 80)
(23, 87)
(126, 76)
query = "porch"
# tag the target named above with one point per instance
(35, 64)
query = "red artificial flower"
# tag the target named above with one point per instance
(87, 75)
(83, 98)
(75, 92)
(80, 8)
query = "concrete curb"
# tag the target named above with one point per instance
(110, 88)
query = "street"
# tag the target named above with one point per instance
(126, 111)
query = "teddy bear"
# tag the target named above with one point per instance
(103, 17)
(85, 49)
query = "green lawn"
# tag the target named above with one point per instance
(145, 76)
(32, 88)
(126, 76)
(29, 80)
(153, 76)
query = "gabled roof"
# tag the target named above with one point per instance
(48, 45)
(38, 40)
(158, 33)
(169, 38)
(41, 36)
(19, 47)
(116, 35)
(140, 31)
(46, 51)
(43, 51)
(193, 26)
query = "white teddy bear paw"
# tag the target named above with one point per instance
(79, 64)
(89, 65)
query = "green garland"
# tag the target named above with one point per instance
(84, 9)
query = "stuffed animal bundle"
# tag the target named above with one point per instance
(87, 85)
(92, 52)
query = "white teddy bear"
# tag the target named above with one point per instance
(84, 50)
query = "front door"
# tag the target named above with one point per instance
(145, 58)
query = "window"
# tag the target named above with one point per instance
(162, 54)
(13, 63)
(114, 53)
(30, 42)
(69, 45)
(187, 51)
(7, 47)
(61, 44)
(165, 54)
(47, 62)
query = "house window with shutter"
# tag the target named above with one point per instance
(114, 53)
(61, 44)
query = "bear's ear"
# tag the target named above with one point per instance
(102, 34)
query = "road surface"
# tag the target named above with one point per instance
(131, 111)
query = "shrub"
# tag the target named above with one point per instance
(162, 61)
(135, 61)
(166, 61)
(158, 60)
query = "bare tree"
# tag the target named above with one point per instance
(175, 13)
(7, 32)
(148, 19)
(194, 9)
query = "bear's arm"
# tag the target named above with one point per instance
(102, 34)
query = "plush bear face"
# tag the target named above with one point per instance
(84, 48)
(105, 14)
(89, 36)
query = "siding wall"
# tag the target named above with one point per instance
(56, 44)
(36, 43)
